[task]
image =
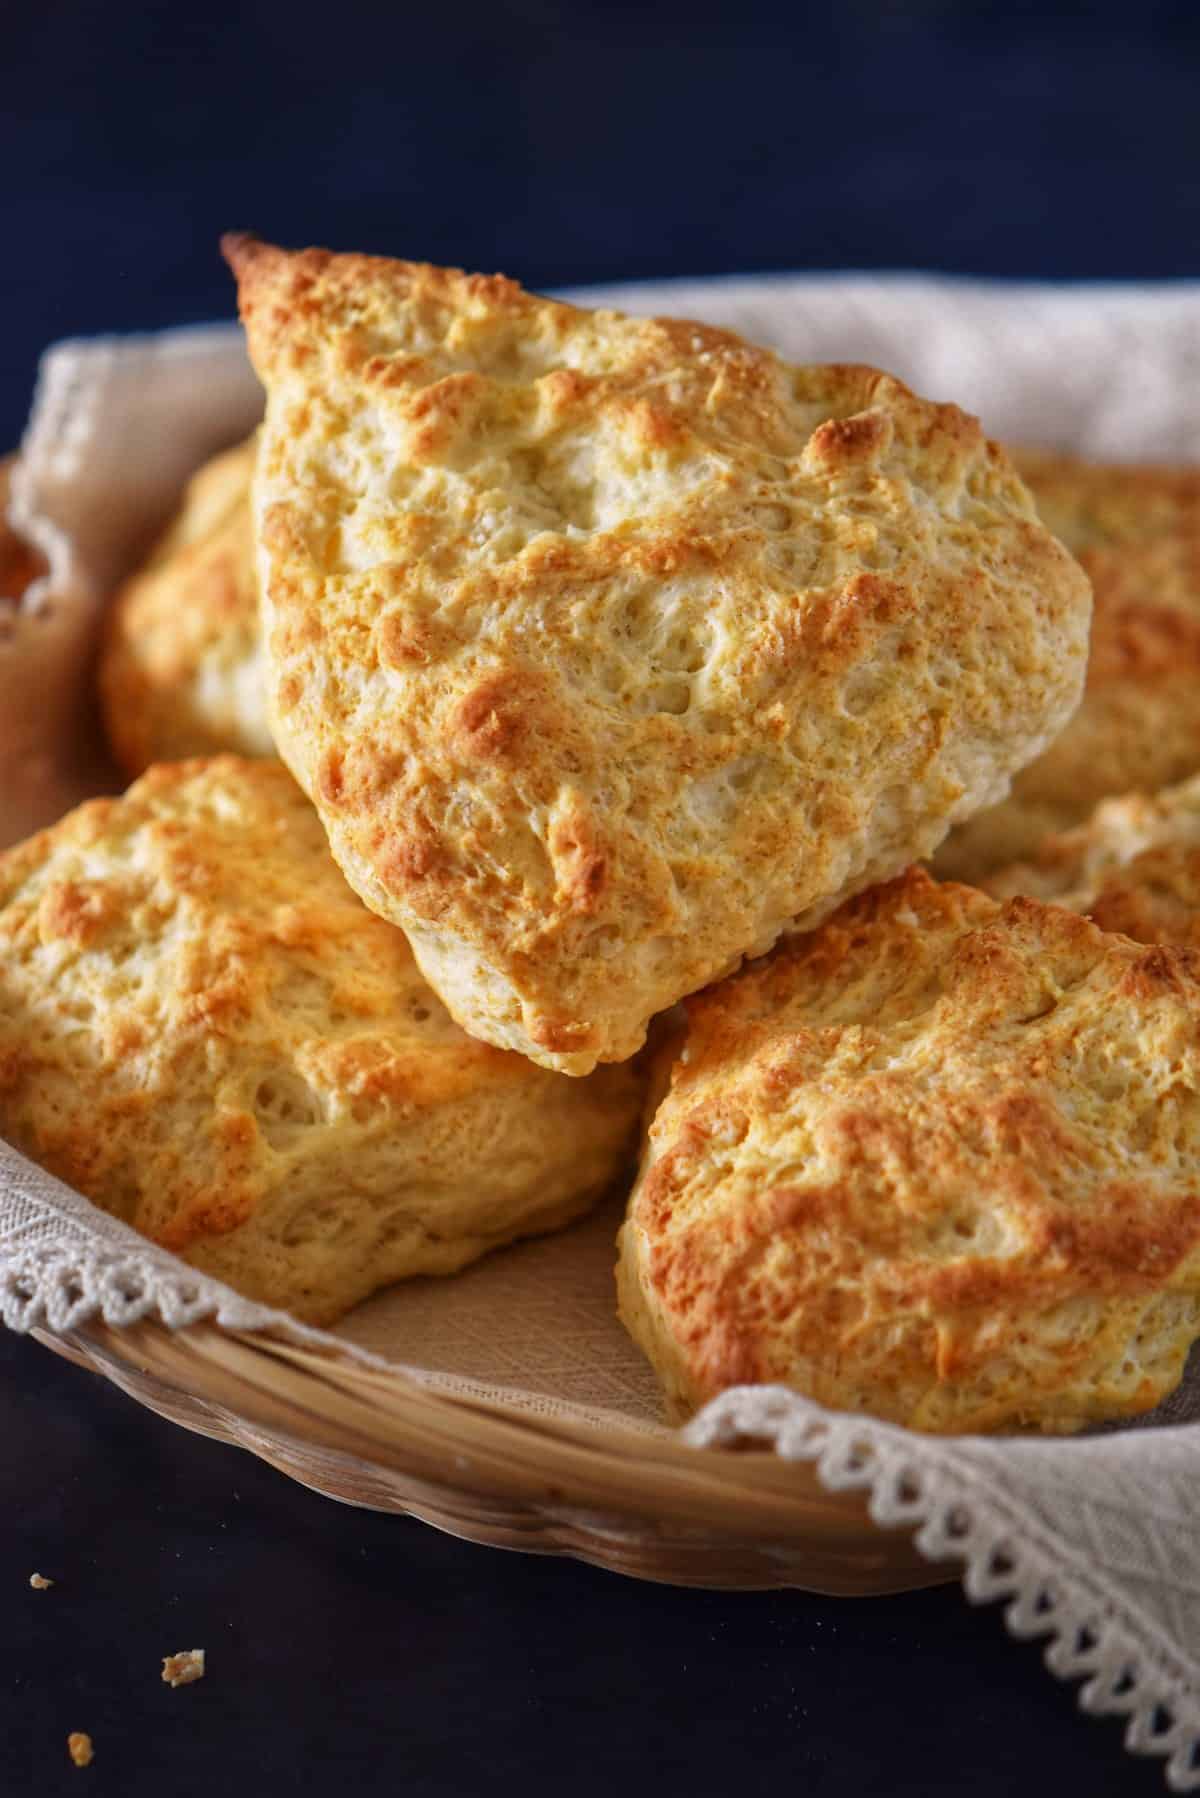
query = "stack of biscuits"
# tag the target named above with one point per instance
(574, 753)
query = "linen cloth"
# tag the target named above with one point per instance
(1091, 1542)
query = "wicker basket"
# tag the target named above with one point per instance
(653, 1508)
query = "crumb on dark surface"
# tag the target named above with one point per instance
(184, 1668)
(79, 1747)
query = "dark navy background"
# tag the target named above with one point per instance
(576, 140)
(563, 143)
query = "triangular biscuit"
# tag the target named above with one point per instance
(608, 648)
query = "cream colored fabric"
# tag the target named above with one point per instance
(1091, 1542)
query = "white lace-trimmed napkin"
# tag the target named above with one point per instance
(1093, 1542)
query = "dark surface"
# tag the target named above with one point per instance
(350, 1653)
(564, 143)
(582, 140)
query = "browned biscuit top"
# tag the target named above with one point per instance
(936, 1161)
(204, 1031)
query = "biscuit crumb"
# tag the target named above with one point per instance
(39, 1582)
(183, 1668)
(79, 1747)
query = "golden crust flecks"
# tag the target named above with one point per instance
(181, 666)
(203, 1030)
(1134, 867)
(937, 1161)
(609, 648)
(1136, 533)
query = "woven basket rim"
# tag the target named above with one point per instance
(591, 1491)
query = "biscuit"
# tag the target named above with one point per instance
(1133, 868)
(936, 1162)
(204, 1031)
(181, 666)
(609, 648)
(1136, 532)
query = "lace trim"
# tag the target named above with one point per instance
(1090, 1639)
(60, 1289)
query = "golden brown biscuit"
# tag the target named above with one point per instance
(181, 668)
(609, 648)
(937, 1162)
(1136, 532)
(204, 1031)
(1134, 867)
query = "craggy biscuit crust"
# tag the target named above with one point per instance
(181, 669)
(936, 1161)
(1133, 868)
(203, 1030)
(1136, 533)
(609, 648)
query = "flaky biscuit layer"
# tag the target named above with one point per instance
(1136, 533)
(181, 666)
(1133, 867)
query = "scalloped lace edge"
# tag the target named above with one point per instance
(62, 1289)
(1092, 1639)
